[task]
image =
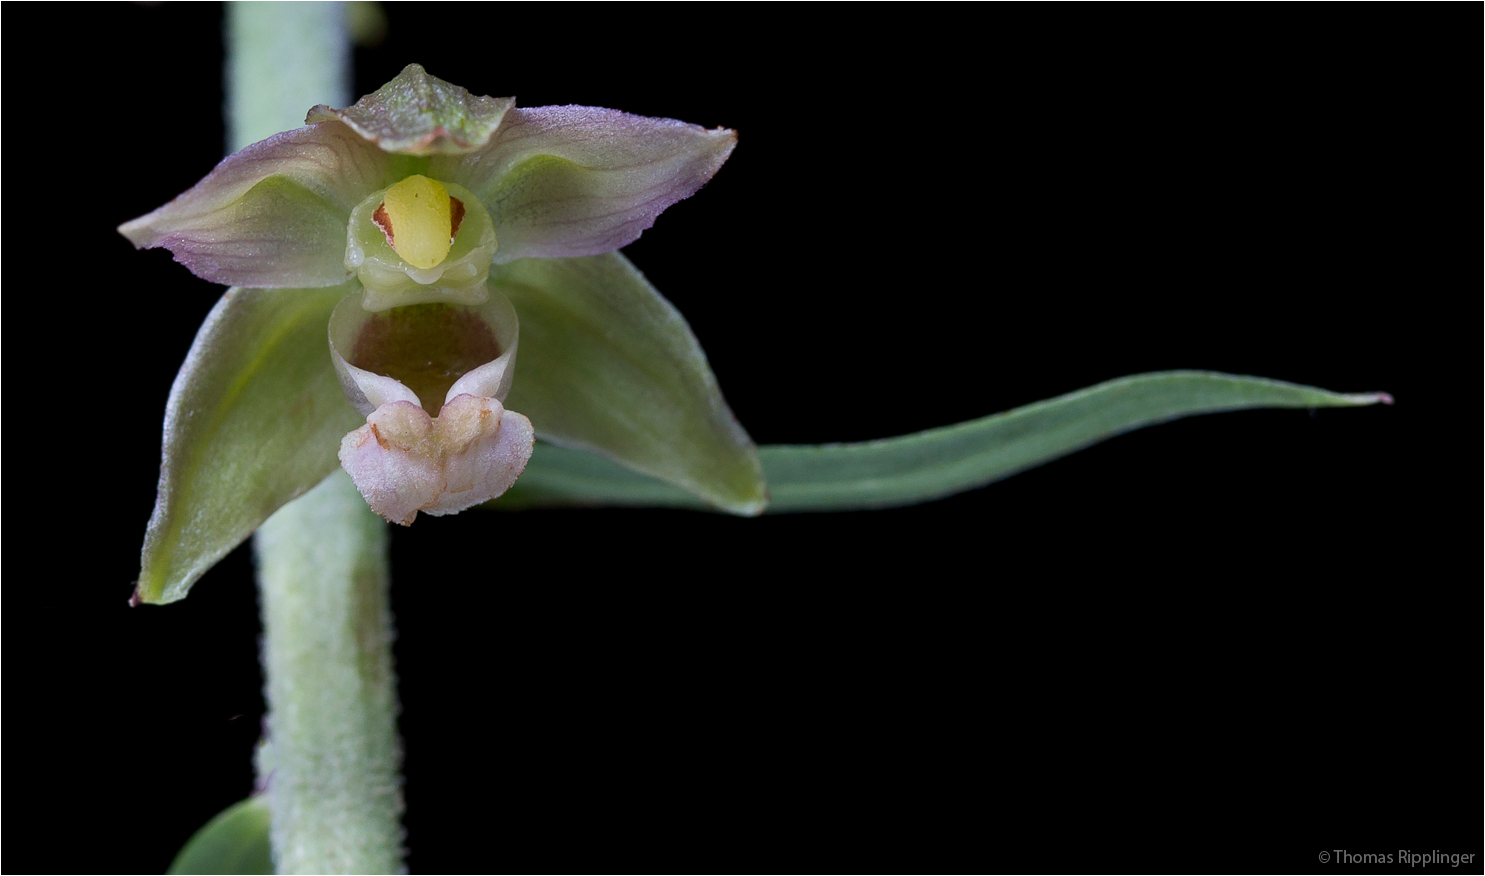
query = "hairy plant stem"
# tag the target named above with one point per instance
(332, 766)
(282, 59)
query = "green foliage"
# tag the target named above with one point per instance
(935, 463)
(235, 841)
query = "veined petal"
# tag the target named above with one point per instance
(564, 181)
(275, 213)
(418, 114)
(254, 420)
(609, 365)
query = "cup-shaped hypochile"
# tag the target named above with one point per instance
(392, 282)
(368, 390)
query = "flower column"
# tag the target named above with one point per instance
(332, 765)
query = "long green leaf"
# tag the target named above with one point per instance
(254, 419)
(936, 463)
(236, 841)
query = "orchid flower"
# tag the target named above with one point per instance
(431, 234)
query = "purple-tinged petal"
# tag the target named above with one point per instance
(273, 214)
(563, 181)
(418, 114)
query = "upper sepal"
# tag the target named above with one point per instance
(418, 114)
(564, 181)
(273, 214)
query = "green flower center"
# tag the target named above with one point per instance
(420, 241)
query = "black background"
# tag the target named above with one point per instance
(1224, 644)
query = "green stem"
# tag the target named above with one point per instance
(332, 767)
(282, 59)
(327, 651)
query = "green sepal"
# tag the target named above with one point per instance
(608, 365)
(418, 114)
(235, 841)
(935, 463)
(254, 419)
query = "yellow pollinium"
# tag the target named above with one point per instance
(419, 219)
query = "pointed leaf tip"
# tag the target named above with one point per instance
(909, 469)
